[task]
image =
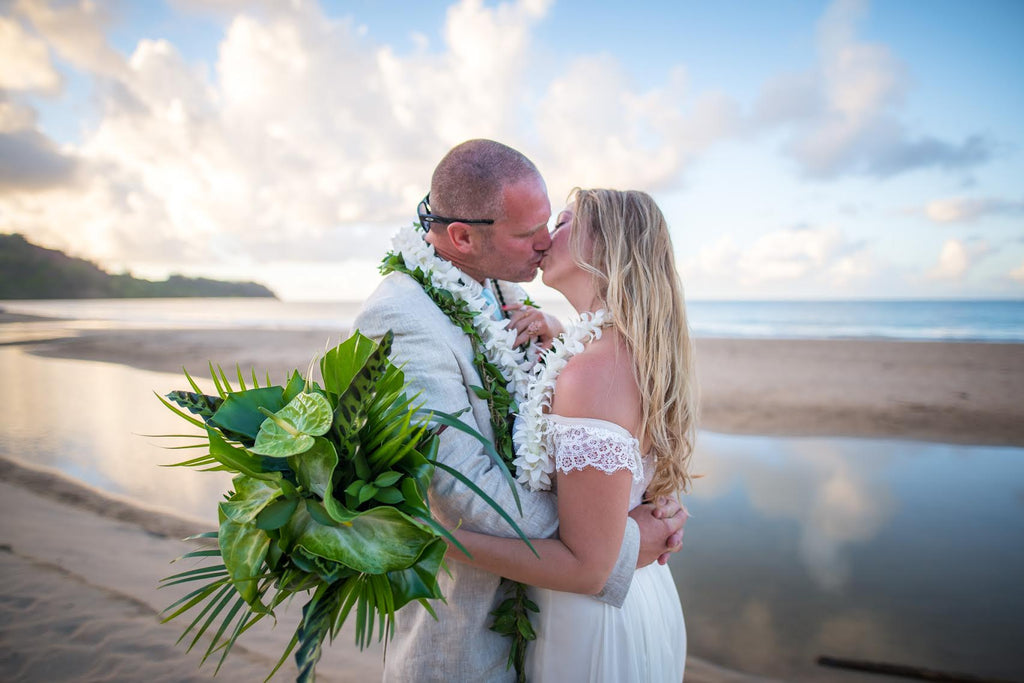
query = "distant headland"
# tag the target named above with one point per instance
(28, 271)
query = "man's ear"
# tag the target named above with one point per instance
(461, 236)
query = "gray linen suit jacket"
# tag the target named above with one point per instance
(438, 362)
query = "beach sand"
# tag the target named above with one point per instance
(79, 599)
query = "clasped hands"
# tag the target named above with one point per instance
(661, 529)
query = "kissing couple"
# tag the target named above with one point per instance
(601, 435)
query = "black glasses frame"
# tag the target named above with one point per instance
(426, 218)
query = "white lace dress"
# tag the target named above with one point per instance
(580, 638)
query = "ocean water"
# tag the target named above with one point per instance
(985, 321)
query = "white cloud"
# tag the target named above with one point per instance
(75, 30)
(957, 258)
(966, 209)
(792, 261)
(1018, 273)
(307, 141)
(26, 64)
(841, 116)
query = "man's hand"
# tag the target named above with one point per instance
(661, 529)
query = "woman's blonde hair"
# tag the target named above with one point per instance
(622, 239)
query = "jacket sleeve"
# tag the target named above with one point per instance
(436, 358)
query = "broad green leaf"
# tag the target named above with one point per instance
(237, 459)
(251, 497)
(420, 580)
(240, 411)
(340, 364)
(243, 547)
(389, 495)
(377, 541)
(413, 497)
(315, 467)
(314, 470)
(366, 493)
(275, 516)
(296, 385)
(387, 478)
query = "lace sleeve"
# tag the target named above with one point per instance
(577, 446)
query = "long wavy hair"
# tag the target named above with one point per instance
(622, 239)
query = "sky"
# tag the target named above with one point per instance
(799, 150)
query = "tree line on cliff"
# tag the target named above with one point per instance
(28, 271)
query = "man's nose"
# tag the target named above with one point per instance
(543, 242)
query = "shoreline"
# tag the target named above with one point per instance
(947, 392)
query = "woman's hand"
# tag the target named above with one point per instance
(531, 323)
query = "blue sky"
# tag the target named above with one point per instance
(806, 150)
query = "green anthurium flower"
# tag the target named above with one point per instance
(292, 429)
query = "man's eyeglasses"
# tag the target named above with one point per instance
(426, 218)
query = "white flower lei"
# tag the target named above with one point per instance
(497, 337)
(534, 464)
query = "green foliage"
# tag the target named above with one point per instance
(329, 496)
(512, 620)
(28, 271)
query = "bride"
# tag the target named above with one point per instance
(609, 421)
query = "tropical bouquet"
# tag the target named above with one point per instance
(328, 500)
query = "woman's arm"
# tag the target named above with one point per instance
(592, 505)
(592, 509)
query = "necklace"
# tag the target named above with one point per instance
(503, 369)
(534, 464)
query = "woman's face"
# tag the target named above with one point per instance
(557, 260)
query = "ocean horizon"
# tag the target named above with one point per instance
(994, 321)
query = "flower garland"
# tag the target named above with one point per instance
(504, 372)
(534, 465)
(490, 336)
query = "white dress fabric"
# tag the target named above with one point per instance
(580, 638)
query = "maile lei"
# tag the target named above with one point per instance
(504, 374)
(534, 464)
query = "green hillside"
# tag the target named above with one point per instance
(28, 271)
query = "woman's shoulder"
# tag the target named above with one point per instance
(599, 383)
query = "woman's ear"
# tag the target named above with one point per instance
(461, 236)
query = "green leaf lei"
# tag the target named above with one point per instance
(511, 617)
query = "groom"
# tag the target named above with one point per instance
(487, 215)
